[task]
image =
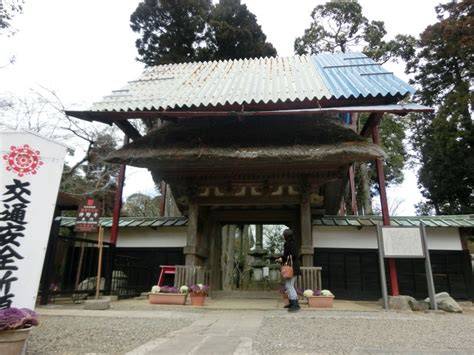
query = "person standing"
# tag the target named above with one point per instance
(290, 253)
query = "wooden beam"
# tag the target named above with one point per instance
(372, 122)
(255, 216)
(282, 109)
(247, 200)
(128, 129)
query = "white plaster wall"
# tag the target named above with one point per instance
(146, 237)
(366, 238)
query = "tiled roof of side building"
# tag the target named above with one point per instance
(456, 221)
(464, 221)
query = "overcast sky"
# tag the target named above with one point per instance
(84, 49)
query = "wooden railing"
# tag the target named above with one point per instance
(190, 275)
(310, 278)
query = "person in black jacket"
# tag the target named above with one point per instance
(290, 250)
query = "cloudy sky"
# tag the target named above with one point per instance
(84, 49)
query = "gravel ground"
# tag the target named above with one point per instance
(130, 324)
(365, 332)
(79, 335)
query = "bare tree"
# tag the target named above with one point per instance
(85, 173)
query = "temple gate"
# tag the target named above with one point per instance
(268, 140)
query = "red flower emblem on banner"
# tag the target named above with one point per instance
(23, 160)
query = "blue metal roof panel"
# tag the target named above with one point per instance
(356, 75)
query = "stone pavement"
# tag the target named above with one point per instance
(219, 332)
(225, 332)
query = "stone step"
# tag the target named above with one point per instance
(246, 294)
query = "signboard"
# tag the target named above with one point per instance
(30, 173)
(87, 217)
(402, 243)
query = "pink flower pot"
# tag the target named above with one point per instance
(13, 341)
(197, 299)
(320, 301)
(167, 298)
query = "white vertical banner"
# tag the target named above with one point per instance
(30, 173)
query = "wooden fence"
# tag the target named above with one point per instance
(190, 275)
(310, 278)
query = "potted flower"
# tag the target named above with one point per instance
(168, 295)
(319, 298)
(15, 326)
(198, 293)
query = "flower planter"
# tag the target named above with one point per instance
(197, 299)
(167, 298)
(13, 341)
(320, 301)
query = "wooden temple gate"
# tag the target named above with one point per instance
(255, 141)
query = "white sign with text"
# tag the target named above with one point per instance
(402, 242)
(30, 173)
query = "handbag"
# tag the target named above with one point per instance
(286, 270)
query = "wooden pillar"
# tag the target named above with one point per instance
(118, 200)
(353, 191)
(215, 253)
(163, 198)
(385, 214)
(307, 250)
(191, 241)
(196, 250)
(258, 236)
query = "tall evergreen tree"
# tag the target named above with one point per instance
(177, 31)
(8, 10)
(235, 33)
(444, 72)
(171, 31)
(340, 26)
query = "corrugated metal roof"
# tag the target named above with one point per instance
(333, 221)
(260, 80)
(356, 75)
(430, 221)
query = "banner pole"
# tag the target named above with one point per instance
(79, 267)
(383, 280)
(99, 263)
(429, 272)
